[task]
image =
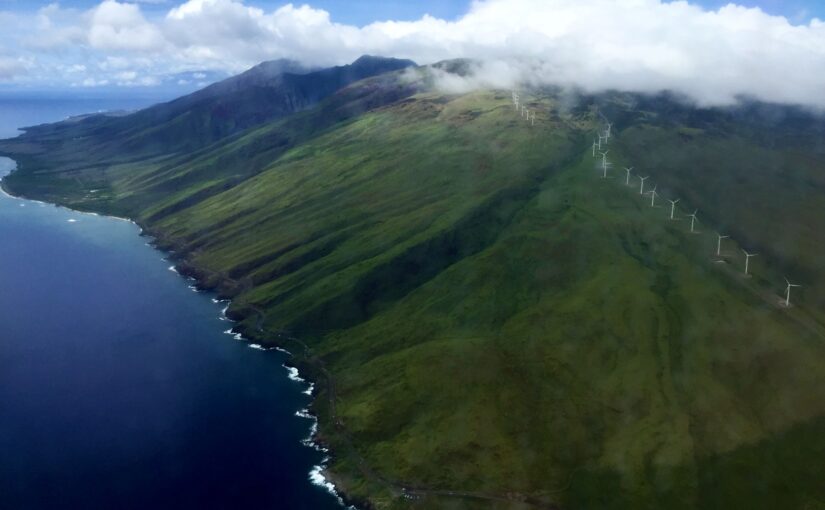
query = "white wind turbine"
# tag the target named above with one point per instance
(533, 119)
(673, 207)
(604, 162)
(719, 238)
(788, 292)
(748, 259)
(653, 195)
(594, 147)
(627, 179)
(642, 188)
(693, 220)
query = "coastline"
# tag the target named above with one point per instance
(319, 475)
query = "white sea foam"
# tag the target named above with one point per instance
(281, 349)
(194, 288)
(293, 374)
(309, 389)
(72, 220)
(304, 413)
(313, 429)
(316, 477)
(260, 347)
(172, 268)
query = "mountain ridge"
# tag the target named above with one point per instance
(491, 324)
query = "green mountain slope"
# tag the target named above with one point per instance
(493, 325)
(267, 92)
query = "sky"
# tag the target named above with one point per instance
(712, 51)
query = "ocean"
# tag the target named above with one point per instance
(123, 387)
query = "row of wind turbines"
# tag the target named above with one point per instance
(525, 113)
(604, 139)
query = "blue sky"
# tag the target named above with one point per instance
(714, 50)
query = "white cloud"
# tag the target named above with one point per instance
(637, 45)
(117, 26)
(9, 68)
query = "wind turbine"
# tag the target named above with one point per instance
(748, 259)
(604, 162)
(594, 147)
(693, 220)
(627, 179)
(788, 292)
(600, 143)
(673, 206)
(653, 196)
(719, 238)
(607, 133)
(533, 119)
(642, 188)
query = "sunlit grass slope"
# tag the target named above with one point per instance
(502, 328)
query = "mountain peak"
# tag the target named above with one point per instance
(371, 61)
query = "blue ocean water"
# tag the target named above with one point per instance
(118, 385)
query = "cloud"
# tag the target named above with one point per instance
(634, 45)
(116, 26)
(11, 68)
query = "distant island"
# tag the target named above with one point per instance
(491, 317)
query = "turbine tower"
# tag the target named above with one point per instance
(604, 162)
(642, 188)
(594, 147)
(748, 259)
(627, 179)
(673, 207)
(600, 143)
(693, 220)
(653, 194)
(719, 238)
(788, 292)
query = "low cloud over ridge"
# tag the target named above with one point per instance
(633, 45)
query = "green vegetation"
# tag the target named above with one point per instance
(493, 325)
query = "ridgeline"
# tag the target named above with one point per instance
(491, 324)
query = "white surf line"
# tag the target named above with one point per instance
(316, 474)
(43, 203)
(317, 478)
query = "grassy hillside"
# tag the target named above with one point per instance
(758, 177)
(494, 325)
